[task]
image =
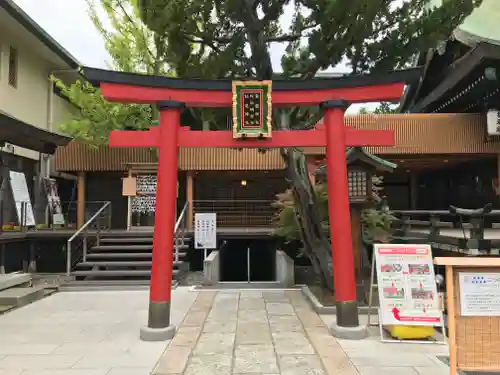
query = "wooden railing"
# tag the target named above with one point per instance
(238, 213)
(473, 235)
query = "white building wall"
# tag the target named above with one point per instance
(29, 101)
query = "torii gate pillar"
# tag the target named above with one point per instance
(159, 327)
(344, 280)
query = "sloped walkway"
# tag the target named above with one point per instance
(253, 332)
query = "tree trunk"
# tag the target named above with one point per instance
(316, 245)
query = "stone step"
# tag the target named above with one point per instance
(106, 285)
(112, 273)
(5, 308)
(127, 240)
(122, 248)
(21, 296)
(133, 239)
(110, 255)
(10, 280)
(115, 264)
(121, 263)
(119, 255)
(129, 248)
(128, 234)
(116, 273)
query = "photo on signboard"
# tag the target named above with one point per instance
(417, 293)
(419, 269)
(392, 292)
(391, 267)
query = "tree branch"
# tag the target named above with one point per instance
(132, 22)
(206, 42)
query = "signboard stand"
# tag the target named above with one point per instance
(407, 289)
(205, 232)
(473, 291)
(53, 201)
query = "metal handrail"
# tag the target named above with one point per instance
(180, 229)
(181, 216)
(79, 231)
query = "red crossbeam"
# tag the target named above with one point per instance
(194, 98)
(224, 139)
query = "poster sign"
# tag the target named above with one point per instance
(406, 285)
(21, 194)
(53, 200)
(479, 294)
(205, 231)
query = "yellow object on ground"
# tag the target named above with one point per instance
(410, 332)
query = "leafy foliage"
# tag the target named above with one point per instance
(133, 47)
(287, 226)
(232, 38)
(97, 117)
(376, 220)
(382, 108)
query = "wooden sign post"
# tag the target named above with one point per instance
(473, 292)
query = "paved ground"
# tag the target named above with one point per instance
(223, 333)
(372, 357)
(277, 332)
(83, 333)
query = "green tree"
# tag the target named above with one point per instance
(234, 38)
(382, 108)
(377, 219)
(133, 47)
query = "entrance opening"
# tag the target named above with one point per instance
(248, 261)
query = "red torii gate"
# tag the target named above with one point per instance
(172, 95)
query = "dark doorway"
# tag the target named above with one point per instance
(248, 261)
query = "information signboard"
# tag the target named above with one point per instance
(205, 231)
(406, 285)
(21, 196)
(479, 294)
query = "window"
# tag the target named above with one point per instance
(13, 67)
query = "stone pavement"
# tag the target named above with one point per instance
(372, 357)
(84, 333)
(220, 333)
(276, 332)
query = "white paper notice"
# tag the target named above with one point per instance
(205, 231)
(479, 294)
(22, 196)
(406, 285)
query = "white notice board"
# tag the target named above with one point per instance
(479, 294)
(21, 194)
(205, 231)
(407, 285)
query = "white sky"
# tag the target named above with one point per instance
(68, 23)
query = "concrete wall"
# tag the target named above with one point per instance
(211, 268)
(285, 270)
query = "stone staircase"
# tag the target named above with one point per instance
(17, 289)
(115, 262)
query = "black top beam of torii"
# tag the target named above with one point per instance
(97, 76)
